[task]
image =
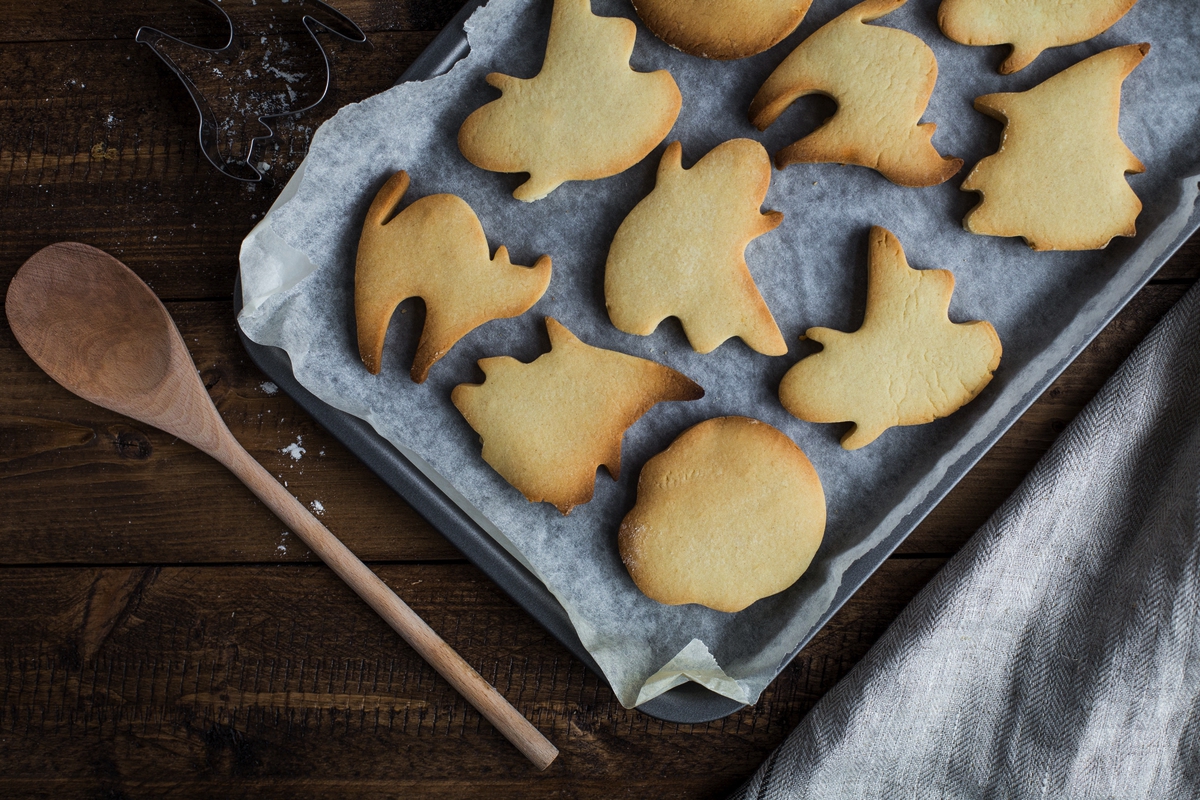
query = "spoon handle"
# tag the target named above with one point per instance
(441, 656)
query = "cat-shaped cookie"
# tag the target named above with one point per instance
(434, 249)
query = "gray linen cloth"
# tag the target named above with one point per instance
(1057, 654)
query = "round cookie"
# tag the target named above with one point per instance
(721, 29)
(730, 513)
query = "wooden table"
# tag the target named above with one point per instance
(161, 634)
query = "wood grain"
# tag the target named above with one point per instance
(260, 681)
(116, 162)
(194, 21)
(81, 484)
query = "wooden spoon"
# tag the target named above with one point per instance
(97, 329)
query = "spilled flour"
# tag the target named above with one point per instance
(294, 449)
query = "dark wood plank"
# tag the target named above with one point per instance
(81, 484)
(1184, 265)
(195, 21)
(113, 160)
(251, 680)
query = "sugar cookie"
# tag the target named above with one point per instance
(881, 78)
(548, 425)
(908, 363)
(1030, 26)
(436, 250)
(730, 513)
(1058, 179)
(722, 29)
(681, 251)
(586, 115)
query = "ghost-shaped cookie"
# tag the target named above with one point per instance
(908, 364)
(434, 249)
(881, 78)
(681, 251)
(585, 115)
(548, 425)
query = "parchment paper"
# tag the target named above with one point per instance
(298, 266)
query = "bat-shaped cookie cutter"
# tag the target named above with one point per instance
(210, 127)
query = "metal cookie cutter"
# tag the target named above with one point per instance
(258, 76)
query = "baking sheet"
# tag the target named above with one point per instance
(811, 271)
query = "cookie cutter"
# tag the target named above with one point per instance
(240, 79)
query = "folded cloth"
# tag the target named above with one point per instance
(1058, 653)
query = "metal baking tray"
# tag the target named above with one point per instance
(689, 702)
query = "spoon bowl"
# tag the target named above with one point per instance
(86, 319)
